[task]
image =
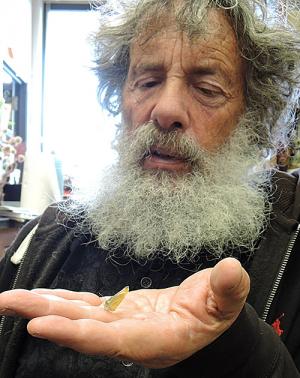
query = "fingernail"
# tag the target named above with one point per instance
(37, 335)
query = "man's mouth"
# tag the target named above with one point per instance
(163, 158)
(164, 153)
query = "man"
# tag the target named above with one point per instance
(203, 88)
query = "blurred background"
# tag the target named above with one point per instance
(53, 132)
(49, 97)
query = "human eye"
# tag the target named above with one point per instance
(149, 84)
(209, 90)
(209, 94)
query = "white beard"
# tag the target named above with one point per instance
(219, 206)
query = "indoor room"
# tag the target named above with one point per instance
(49, 102)
(150, 189)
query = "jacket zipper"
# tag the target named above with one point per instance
(14, 284)
(280, 273)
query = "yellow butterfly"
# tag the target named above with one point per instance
(112, 303)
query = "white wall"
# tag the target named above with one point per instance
(15, 35)
(34, 114)
(21, 33)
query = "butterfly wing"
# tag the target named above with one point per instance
(112, 303)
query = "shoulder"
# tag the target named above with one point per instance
(285, 193)
(54, 224)
(68, 215)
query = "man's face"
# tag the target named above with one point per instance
(193, 86)
(182, 102)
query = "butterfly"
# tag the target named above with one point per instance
(112, 303)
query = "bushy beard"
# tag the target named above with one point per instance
(220, 205)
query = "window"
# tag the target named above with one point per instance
(14, 95)
(75, 127)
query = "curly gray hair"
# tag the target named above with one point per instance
(271, 52)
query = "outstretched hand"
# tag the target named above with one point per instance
(153, 327)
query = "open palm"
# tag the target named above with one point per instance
(153, 327)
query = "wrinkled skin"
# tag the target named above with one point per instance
(154, 328)
(196, 88)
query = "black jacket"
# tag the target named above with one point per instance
(58, 257)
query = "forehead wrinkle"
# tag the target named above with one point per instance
(219, 52)
(144, 57)
(215, 53)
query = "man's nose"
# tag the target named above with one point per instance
(170, 110)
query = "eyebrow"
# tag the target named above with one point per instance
(213, 69)
(147, 67)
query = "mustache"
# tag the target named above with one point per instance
(142, 140)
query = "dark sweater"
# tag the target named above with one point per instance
(57, 257)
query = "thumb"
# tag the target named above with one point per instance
(230, 285)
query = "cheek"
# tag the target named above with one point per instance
(134, 113)
(126, 115)
(127, 110)
(212, 129)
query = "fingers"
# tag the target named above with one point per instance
(124, 339)
(30, 304)
(92, 299)
(230, 286)
(84, 335)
